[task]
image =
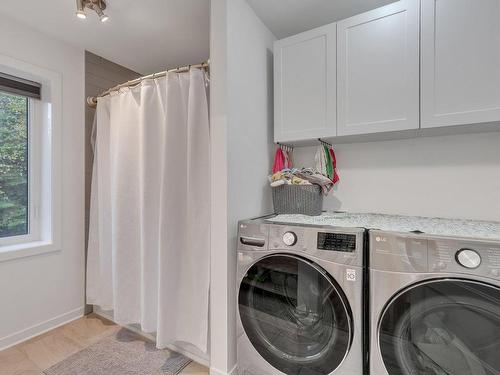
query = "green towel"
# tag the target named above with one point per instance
(329, 165)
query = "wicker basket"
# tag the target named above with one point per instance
(298, 199)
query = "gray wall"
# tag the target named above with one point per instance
(100, 75)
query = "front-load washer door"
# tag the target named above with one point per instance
(295, 315)
(442, 327)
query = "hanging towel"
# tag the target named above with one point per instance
(329, 165)
(290, 159)
(285, 156)
(279, 160)
(320, 159)
(336, 177)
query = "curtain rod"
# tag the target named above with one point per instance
(92, 100)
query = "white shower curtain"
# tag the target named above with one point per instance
(148, 255)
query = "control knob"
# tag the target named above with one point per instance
(289, 238)
(468, 258)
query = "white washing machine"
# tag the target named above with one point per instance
(435, 303)
(300, 299)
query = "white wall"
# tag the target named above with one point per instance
(219, 329)
(242, 117)
(250, 124)
(455, 176)
(40, 292)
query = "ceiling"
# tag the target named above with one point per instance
(289, 17)
(152, 35)
(144, 35)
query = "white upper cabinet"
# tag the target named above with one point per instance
(305, 85)
(378, 70)
(460, 69)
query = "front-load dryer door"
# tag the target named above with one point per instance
(442, 327)
(295, 315)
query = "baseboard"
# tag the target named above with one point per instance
(214, 371)
(197, 357)
(38, 329)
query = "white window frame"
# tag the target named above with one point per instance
(44, 169)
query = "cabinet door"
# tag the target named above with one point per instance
(460, 62)
(378, 70)
(304, 85)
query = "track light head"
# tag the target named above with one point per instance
(80, 9)
(100, 13)
(96, 5)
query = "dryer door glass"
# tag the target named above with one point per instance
(295, 315)
(442, 327)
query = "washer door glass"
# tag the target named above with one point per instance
(295, 315)
(442, 327)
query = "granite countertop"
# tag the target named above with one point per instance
(397, 223)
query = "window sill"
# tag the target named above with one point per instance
(26, 249)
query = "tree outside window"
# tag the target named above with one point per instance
(14, 211)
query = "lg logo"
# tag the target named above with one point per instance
(350, 275)
(380, 239)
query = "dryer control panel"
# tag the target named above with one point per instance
(481, 258)
(420, 253)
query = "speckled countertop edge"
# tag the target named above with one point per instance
(398, 223)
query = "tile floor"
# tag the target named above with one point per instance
(40, 353)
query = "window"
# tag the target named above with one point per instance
(14, 165)
(29, 160)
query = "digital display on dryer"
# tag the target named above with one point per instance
(345, 243)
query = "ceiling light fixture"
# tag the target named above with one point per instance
(97, 6)
(80, 9)
(100, 13)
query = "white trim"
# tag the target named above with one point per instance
(202, 361)
(47, 114)
(35, 167)
(26, 249)
(214, 371)
(40, 328)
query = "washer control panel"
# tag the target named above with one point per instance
(341, 245)
(342, 242)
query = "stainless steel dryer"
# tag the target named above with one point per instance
(435, 305)
(300, 299)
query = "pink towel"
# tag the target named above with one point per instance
(279, 161)
(336, 177)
